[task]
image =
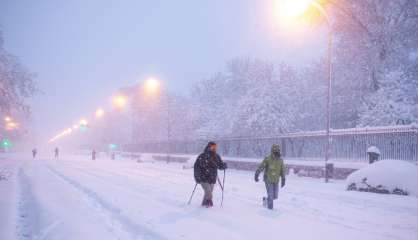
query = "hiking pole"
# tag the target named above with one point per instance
(220, 184)
(190, 200)
(223, 187)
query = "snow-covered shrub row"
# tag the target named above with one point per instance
(386, 176)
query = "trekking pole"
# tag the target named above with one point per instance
(220, 184)
(223, 187)
(190, 200)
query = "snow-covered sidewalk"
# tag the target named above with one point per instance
(293, 161)
(76, 198)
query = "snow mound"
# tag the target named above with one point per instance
(387, 176)
(373, 149)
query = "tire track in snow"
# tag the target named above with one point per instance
(28, 217)
(144, 186)
(134, 229)
(179, 209)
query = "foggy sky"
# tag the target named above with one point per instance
(84, 50)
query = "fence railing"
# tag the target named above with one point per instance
(394, 142)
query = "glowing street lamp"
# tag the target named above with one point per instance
(7, 119)
(119, 101)
(152, 85)
(83, 125)
(83, 122)
(99, 113)
(292, 9)
(288, 9)
(11, 125)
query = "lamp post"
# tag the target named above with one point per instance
(295, 8)
(329, 85)
(152, 85)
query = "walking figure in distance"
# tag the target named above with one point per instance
(57, 152)
(34, 152)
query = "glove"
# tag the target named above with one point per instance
(283, 182)
(256, 178)
(225, 166)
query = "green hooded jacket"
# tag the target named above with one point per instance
(273, 167)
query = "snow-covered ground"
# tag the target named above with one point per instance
(77, 198)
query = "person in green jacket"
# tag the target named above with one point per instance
(274, 170)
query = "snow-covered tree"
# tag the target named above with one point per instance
(389, 105)
(253, 98)
(375, 55)
(16, 83)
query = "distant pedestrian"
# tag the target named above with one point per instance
(93, 155)
(34, 152)
(57, 152)
(274, 171)
(206, 171)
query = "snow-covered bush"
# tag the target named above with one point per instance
(387, 176)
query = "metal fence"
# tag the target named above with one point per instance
(395, 142)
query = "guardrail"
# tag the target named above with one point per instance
(394, 142)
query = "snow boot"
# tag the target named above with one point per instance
(270, 204)
(210, 203)
(264, 202)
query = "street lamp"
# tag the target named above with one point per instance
(119, 101)
(83, 121)
(294, 9)
(11, 125)
(83, 125)
(290, 9)
(152, 85)
(99, 113)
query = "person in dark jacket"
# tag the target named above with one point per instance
(206, 171)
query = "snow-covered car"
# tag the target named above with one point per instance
(387, 176)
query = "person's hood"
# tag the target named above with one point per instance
(207, 150)
(275, 148)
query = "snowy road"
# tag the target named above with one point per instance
(76, 198)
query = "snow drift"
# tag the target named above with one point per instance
(387, 176)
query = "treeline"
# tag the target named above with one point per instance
(375, 82)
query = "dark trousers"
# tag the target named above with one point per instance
(272, 193)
